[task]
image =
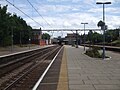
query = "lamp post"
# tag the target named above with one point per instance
(12, 39)
(29, 42)
(103, 3)
(84, 34)
(76, 39)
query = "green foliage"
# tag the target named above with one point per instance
(116, 43)
(45, 36)
(9, 23)
(100, 23)
(97, 38)
(112, 35)
(94, 37)
(93, 52)
(7, 41)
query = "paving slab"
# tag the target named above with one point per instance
(107, 87)
(86, 73)
(81, 87)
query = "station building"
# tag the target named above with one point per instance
(37, 37)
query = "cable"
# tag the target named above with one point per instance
(61, 18)
(23, 12)
(38, 12)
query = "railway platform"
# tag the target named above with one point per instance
(77, 71)
(7, 51)
(73, 70)
(86, 73)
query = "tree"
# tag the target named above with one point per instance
(4, 27)
(12, 24)
(112, 35)
(101, 24)
(97, 38)
(90, 36)
(94, 37)
(45, 36)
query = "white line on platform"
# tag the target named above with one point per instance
(42, 76)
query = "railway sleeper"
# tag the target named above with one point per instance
(52, 52)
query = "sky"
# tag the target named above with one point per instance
(66, 14)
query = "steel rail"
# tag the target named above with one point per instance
(22, 61)
(30, 70)
(43, 75)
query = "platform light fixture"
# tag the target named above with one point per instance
(103, 3)
(84, 34)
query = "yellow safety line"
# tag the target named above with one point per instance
(63, 76)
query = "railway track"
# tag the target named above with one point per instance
(24, 75)
(8, 63)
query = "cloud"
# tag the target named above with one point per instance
(112, 1)
(113, 21)
(109, 9)
(76, 1)
(57, 8)
(88, 1)
(106, 0)
(54, 9)
(113, 10)
(74, 21)
(68, 21)
(67, 13)
(57, 0)
(22, 7)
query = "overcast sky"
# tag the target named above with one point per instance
(66, 13)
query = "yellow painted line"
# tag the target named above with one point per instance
(43, 75)
(63, 77)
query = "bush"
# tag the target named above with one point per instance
(93, 52)
(116, 43)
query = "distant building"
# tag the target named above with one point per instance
(70, 39)
(54, 41)
(36, 36)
